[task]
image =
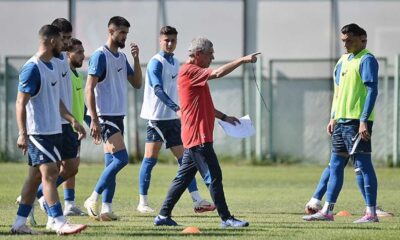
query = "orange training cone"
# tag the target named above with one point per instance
(191, 230)
(343, 213)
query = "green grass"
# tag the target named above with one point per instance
(270, 198)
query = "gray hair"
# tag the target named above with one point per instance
(199, 44)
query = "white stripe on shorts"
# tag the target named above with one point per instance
(42, 149)
(111, 124)
(158, 130)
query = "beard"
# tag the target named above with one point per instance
(121, 44)
(56, 52)
(76, 64)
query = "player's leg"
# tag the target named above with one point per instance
(207, 163)
(112, 134)
(68, 152)
(314, 205)
(200, 204)
(338, 161)
(25, 204)
(152, 148)
(184, 176)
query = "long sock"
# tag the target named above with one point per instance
(196, 196)
(145, 174)
(369, 176)
(143, 200)
(322, 185)
(106, 207)
(193, 184)
(69, 194)
(337, 164)
(22, 214)
(120, 160)
(59, 180)
(328, 208)
(110, 189)
(360, 182)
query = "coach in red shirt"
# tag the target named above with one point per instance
(197, 118)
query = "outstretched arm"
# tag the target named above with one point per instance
(229, 67)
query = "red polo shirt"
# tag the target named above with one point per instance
(197, 108)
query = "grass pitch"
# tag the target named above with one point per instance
(270, 198)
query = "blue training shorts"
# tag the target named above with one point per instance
(111, 125)
(345, 134)
(168, 131)
(70, 143)
(43, 149)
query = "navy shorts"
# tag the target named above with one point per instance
(111, 125)
(168, 131)
(70, 142)
(43, 149)
(344, 136)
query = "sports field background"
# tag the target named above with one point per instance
(270, 198)
(299, 41)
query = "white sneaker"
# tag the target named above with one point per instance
(31, 216)
(312, 207)
(203, 206)
(23, 230)
(92, 208)
(68, 229)
(74, 211)
(108, 216)
(144, 208)
(50, 225)
(42, 202)
(382, 213)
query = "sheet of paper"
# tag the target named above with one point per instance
(242, 130)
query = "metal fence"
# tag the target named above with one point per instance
(290, 126)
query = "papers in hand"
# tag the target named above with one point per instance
(242, 130)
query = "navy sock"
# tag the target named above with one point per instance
(59, 181)
(109, 191)
(69, 194)
(337, 164)
(322, 185)
(193, 184)
(120, 160)
(364, 162)
(145, 174)
(55, 210)
(24, 210)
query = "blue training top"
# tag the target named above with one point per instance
(29, 78)
(154, 70)
(369, 75)
(98, 66)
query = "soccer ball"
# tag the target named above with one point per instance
(312, 208)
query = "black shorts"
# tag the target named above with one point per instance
(168, 131)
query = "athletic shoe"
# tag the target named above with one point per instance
(91, 207)
(74, 211)
(108, 216)
(23, 230)
(158, 221)
(233, 222)
(312, 207)
(144, 208)
(319, 216)
(204, 206)
(382, 213)
(368, 218)
(31, 216)
(68, 229)
(50, 225)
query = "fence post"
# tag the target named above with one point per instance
(396, 102)
(259, 111)
(246, 108)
